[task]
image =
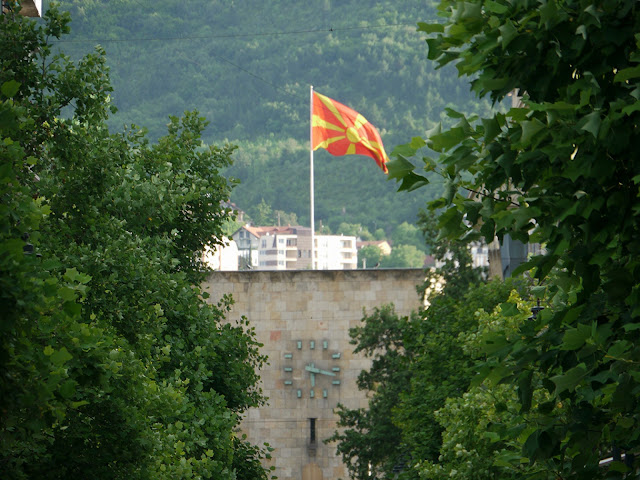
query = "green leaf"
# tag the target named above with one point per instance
(495, 7)
(10, 88)
(447, 139)
(629, 109)
(399, 167)
(498, 373)
(68, 389)
(582, 30)
(525, 390)
(627, 74)
(61, 356)
(570, 379)
(575, 338)
(73, 275)
(618, 349)
(450, 223)
(67, 294)
(591, 123)
(509, 309)
(451, 113)
(529, 130)
(406, 150)
(507, 32)
(491, 129)
(417, 143)
(412, 181)
(430, 27)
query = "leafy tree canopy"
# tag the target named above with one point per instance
(417, 363)
(403, 256)
(113, 366)
(561, 170)
(369, 256)
(408, 234)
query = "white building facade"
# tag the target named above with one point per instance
(335, 252)
(289, 248)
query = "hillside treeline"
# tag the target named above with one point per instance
(247, 66)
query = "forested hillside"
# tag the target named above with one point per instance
(246, 65)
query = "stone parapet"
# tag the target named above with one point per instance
(303, 319)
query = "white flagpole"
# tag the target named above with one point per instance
(313, 260)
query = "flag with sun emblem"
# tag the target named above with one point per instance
(343, 131)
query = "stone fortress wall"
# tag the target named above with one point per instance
(303, 319)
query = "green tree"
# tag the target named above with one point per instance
(113, 365)
(407, 234)
(379, 234)
(261, 214)
(562, 171)
(472, 447)
(354, 229)
(417, 363)
(369, 442)
(403, 256)
(284, 218)
(369, 256)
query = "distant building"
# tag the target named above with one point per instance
(285, 248)
(336, 252)
(506, 256)
(274, 248)
(30, 8)
(247, 239)
(479, 255)
(222, 258)
(289, 248)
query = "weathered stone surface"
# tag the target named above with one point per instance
(287, 307)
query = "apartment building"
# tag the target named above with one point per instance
(289, 248)
(274, 248)
(335, 252)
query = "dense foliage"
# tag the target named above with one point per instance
(563, 171)
(418, 362)
(472, 447)
(112, 364)
(247, 65)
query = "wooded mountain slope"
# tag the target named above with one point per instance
(246, 65)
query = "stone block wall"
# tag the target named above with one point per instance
(303, 319)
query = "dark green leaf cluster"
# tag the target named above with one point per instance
(113, 365)
(418, 362)
(560, 169)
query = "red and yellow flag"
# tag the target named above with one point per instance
(343, 131)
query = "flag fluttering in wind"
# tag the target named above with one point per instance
(343, 131)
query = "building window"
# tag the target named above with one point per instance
(312, 431)
(264, 244)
